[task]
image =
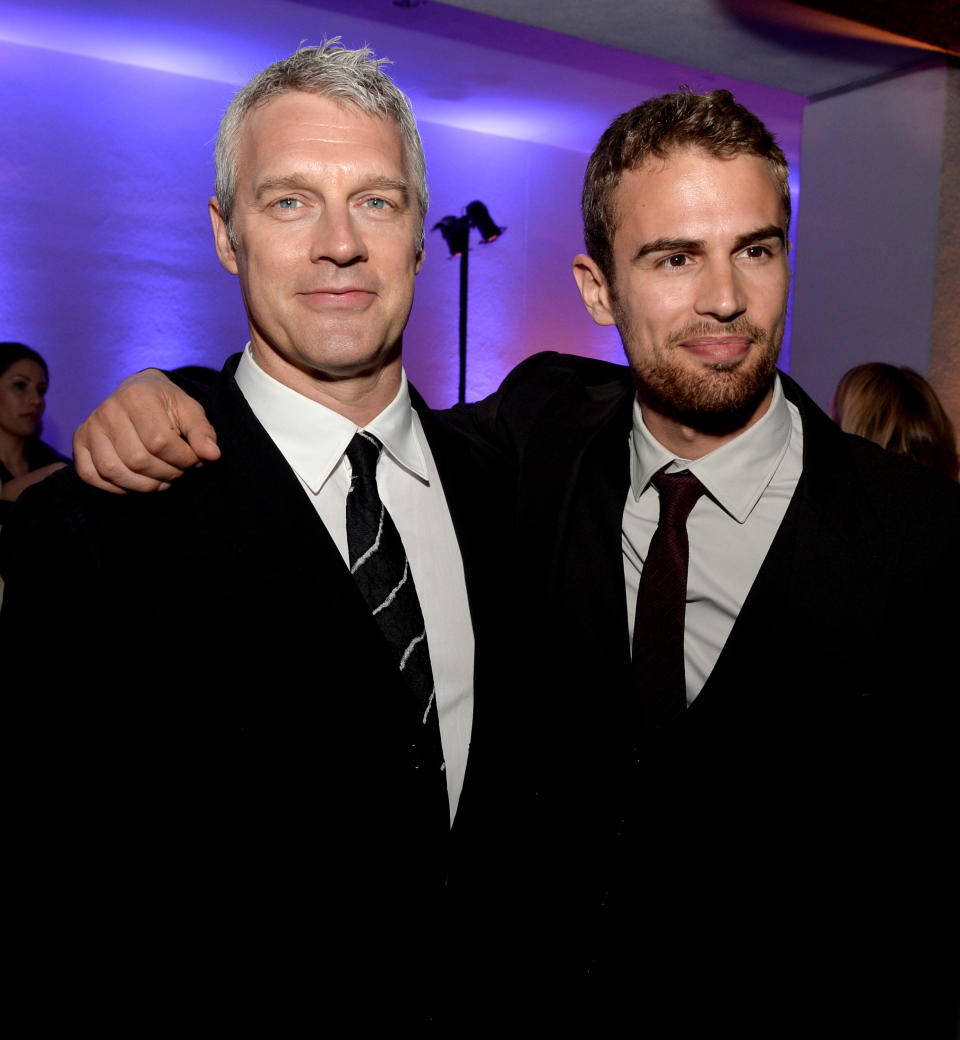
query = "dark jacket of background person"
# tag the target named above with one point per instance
(39, 454)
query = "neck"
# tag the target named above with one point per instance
(13, 453)
(692, 437)
(360, 397)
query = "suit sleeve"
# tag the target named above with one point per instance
(48, 573)
(505, 417)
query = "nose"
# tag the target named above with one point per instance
(721, 294)
(337, 238)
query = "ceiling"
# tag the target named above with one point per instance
(936, 22)
(461, 68)
(773, 42)
(548, 71)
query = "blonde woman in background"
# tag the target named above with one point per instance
(898, 409)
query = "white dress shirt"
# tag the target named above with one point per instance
(750, 481)
(313, 439)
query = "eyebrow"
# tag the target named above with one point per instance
(761, 235)
(669, 245)
(295, 182)
(389, 184)
(277, 184)
(683, 245)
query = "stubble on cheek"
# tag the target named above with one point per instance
(696, 391)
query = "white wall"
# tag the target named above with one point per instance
(867, 231)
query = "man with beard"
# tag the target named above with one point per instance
(743, 619)
(738, 670)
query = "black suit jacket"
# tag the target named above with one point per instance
(221, 789)
(782, 846)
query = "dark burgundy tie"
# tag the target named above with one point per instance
(658, 669)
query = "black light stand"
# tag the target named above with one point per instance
(456, 233)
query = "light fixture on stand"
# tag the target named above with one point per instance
(456, 233)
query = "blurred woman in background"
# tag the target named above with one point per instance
(899, 410)
(24, 458)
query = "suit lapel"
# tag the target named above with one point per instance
(266, 523)
(279, 527)
(478, 488)
(823, 558)
(573, 488)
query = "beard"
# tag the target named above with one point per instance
(718, 397)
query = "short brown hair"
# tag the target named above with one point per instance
(713, 122)
(899, 410)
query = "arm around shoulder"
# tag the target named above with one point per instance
(143, 436)
(504, 417)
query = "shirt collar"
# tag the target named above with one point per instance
(736, 474)
(313, 438)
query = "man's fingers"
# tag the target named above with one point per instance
(121, 479)
(146, 434)
(152, 450)
(118, 457)
(148, 445)
(200, 435)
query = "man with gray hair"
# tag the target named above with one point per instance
(299, 783)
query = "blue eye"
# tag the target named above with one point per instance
(376, 203)
(288, 203)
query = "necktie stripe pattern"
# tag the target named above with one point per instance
(393, 593)
(358, 563)
(379, 565)
(658, 663)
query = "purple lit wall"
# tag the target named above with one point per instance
(522, 296)
(108, 260)
(105, 249)
(106, 254)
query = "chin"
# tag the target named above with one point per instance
(345, 368)
(722, 399)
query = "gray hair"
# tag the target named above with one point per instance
(351, 78)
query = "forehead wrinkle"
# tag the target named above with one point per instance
(327, 133)
(260, 148)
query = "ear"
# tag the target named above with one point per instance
(221, 237)
(593, 289)
(419, 261)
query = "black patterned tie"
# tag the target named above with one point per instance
(382, 572)
(658, 666)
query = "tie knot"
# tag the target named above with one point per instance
(679, 493)
(363, 452)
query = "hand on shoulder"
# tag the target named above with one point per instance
(143, 436)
